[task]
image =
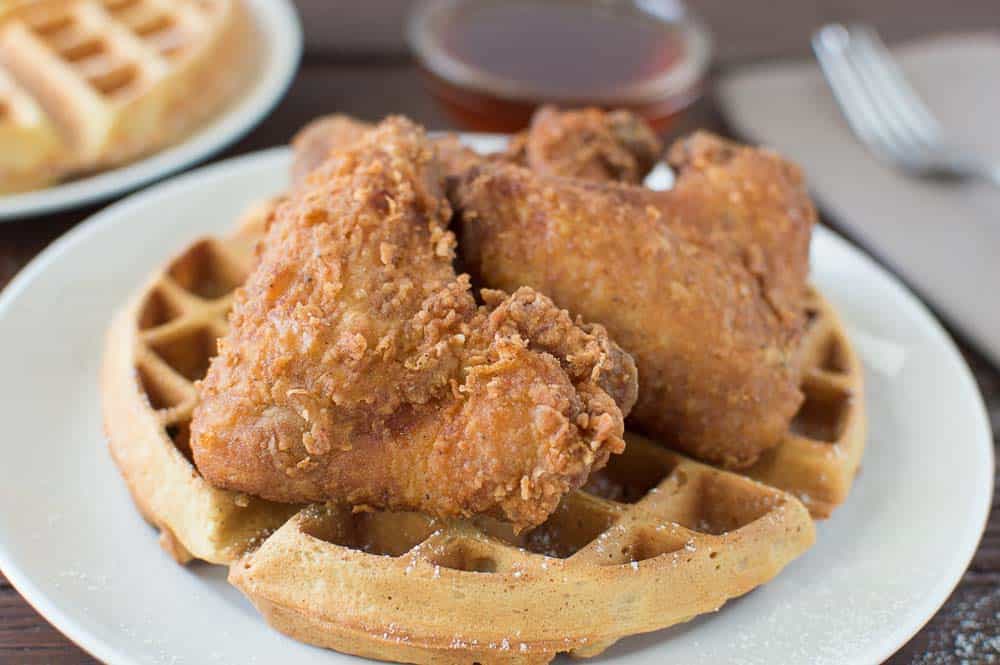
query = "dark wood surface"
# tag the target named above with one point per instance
(966, 629)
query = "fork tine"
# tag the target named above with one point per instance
(889, 120)
(830, 45)
(883, 110)
(902, 113)
(871, 45)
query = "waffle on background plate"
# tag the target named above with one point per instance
(653, 540)
(87, 85)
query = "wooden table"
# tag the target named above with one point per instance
(372, 87)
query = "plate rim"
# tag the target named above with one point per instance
(915, 619)
(32, 594)
(280, 24)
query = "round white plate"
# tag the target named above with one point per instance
(279, 41)
(73, 544)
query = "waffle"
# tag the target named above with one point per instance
(654, 539)
(118, 79)
(156, 348)
(31, 147)
(820, 455)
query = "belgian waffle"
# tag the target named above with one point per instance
(652, 540)
(119, 78)
(156, 349)
(31, 147)
(820, 455)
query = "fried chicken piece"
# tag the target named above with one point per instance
(359, 369)
(587, 143)
(584, 143)
(456, 157)
(715, 356)
(748, 204)
(317, 141)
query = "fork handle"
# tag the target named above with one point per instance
(992, 173)
(986, 171)
(977, 167)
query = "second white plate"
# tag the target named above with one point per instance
(74, 545)
(279, 41)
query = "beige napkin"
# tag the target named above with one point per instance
(943, 238)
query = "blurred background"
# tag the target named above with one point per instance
(362, 38)
(744, 69)
(764, 29)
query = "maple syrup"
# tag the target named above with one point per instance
(491, 63)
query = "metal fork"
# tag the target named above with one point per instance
(885, 112)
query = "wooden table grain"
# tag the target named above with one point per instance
(966, 629)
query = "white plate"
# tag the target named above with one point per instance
(279, 41)
(73, 544)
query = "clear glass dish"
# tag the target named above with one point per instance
(491, 63)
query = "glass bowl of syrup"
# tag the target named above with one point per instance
(490, 63)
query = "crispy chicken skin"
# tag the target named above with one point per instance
(314, 143)
(587, 143)
(317, 141)
(748, 204)
(666, 274)
(358, 368)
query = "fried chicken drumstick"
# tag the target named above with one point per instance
(701, 284)
(358, 368)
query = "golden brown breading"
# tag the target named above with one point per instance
(358, 367)
(314, 143)
(749, 204)
(587, 143)
(583, 143)
(456, 158)
(715, 356)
